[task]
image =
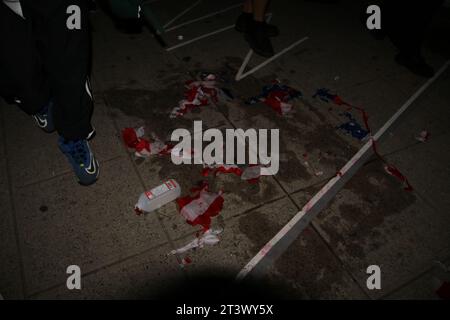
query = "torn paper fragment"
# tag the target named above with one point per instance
(423, 136)
(133, 139)
(200, 93)
(277, 96)
(393, 171)
(353, 128)
(198, 209)
(210, 238)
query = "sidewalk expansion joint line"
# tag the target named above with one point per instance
(407, 282)
(345, 267)
(281, 241)
(62, 174)
(13, 206)
(178, 16)
(202, 17)
(241, 75)
(96, 270)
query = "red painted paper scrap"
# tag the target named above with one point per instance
(133, 139)
(201, 207)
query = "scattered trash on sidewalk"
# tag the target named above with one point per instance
(423, 136)
(200, 93)
(151, 200)
(325, 95)
(199, 208)
(277, 96)
(353, 128)
(209, 237)
(143, 148)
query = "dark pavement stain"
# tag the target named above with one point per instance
(308, 266)
(258, 228)
(254, 193)
(293, 168)
(378, 201)
(325, 138)
(152, 106)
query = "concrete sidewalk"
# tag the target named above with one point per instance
(48, 221)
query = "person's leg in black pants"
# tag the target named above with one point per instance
(46, 61)
(66, 55)
(407, 23)
(21, 72)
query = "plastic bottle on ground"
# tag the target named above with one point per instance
(158, 196)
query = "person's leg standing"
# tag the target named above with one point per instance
(63, 28)
(257, 31)
(408, 22)
(22, 79)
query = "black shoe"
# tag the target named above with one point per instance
(259, 41)
(245, 21)
(415, 64)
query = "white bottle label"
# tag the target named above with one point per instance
(157, 191)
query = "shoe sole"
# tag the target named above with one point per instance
(87, 184)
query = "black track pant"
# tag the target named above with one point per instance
(46, 56)
(407, 22)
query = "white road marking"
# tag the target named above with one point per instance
(240, 75)
(178, 16)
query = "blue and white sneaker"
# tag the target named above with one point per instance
(83, 161)
(44, 118)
